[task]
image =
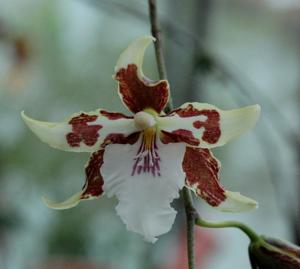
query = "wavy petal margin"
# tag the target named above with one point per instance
(144, 197)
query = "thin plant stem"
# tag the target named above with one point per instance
(190, 223)
(156, 33)
(228, 224)
(189, 209)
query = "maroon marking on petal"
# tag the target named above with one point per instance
(188, 111)
(139, 94)
(81, 131)
(94, 182)
(202, 170)
(212, 131)
(197, 124)
(147, 159)
(180, 135)
(121, 139)
(114, 115)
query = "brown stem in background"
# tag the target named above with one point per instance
(155, 31)
(189, 209)
(190, 223)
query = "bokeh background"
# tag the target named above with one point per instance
(57, 57)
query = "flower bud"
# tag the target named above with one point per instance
(270, 253)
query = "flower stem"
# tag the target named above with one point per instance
(192, 216)
(228, 224)
(155, 31)
(189, 209)
(190, 221)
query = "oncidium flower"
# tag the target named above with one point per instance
(145, 159)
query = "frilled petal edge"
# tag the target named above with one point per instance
(144, 194)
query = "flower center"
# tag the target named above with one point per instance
(144, 120)
(147, 159)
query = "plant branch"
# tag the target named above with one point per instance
(155, 31)
(189, 209)
(191, 213)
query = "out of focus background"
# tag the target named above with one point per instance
(57, 57)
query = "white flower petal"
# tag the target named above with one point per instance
(144, 200)
(134, 54)
(207, 126)
(84, 131)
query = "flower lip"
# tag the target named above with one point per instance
(144, 120)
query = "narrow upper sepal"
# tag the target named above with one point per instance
(136, 91)
(134, 54)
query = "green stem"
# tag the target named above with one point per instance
(228, 224)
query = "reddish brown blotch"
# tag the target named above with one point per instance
(82, 132)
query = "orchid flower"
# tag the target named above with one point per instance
(147, 158)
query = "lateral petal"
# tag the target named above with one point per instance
(206, 126)
(144, 195)
(93, 187)
(84, 132)
(202, 176)
(136, 91)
